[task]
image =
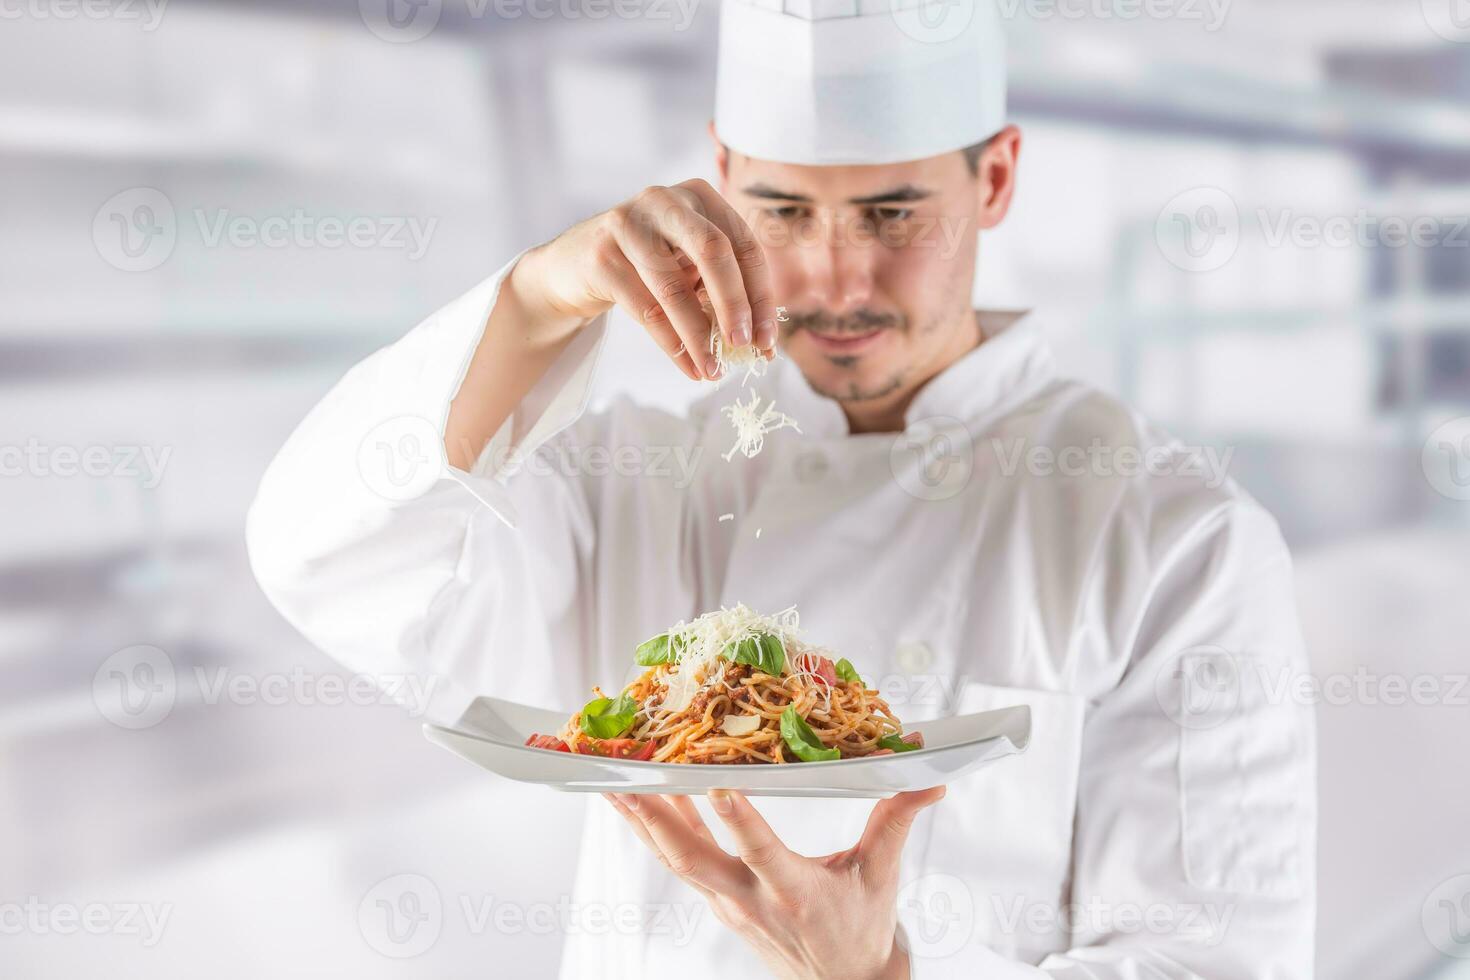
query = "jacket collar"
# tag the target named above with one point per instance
(1010, 365)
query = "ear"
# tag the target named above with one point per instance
(996, 175)
(722, 158)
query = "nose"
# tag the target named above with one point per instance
(839, 267)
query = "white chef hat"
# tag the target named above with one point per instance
(858, 81)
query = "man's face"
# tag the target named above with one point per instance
(875, 265)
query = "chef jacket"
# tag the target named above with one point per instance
(1025, 540)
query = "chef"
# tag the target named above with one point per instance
(971, 530)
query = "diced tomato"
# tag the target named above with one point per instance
(617, 748)
(547, 742)
(823, 668)
(916, 739)
(881, 752)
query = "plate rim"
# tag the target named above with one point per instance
(705, 767)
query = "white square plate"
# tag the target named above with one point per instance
(491, 734)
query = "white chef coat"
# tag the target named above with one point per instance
(1146, 618)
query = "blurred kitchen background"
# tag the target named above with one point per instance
(1174, 169)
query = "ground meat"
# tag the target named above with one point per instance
(735, 673)
(700, 702)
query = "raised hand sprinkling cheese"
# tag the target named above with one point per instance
(749, 357)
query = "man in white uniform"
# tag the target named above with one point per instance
(966, 527)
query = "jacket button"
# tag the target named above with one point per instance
(810, 467)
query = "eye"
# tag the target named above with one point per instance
(787, 212)
(892, 214)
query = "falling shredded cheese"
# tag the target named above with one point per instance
(757, 532)
(726, 517)
(752, 422)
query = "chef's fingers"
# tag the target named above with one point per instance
(754, 269)
(683, 219)
(685, 807)
(696, 859)
(888, 828)
(757, 844)
(626, 288)
(640, 236)
(642, 834)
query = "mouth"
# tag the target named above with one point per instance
(845, 344)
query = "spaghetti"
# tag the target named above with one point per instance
(734, 688)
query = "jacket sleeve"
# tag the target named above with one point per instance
(359, 531)
(1194, 841)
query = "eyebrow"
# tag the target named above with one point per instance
(908, 192)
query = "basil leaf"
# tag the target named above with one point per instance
(662, 649)
(608, 718)
(896, 743)
(847, 672)
(765, 653)
(801, 740)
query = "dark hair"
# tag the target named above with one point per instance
(972, 154)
